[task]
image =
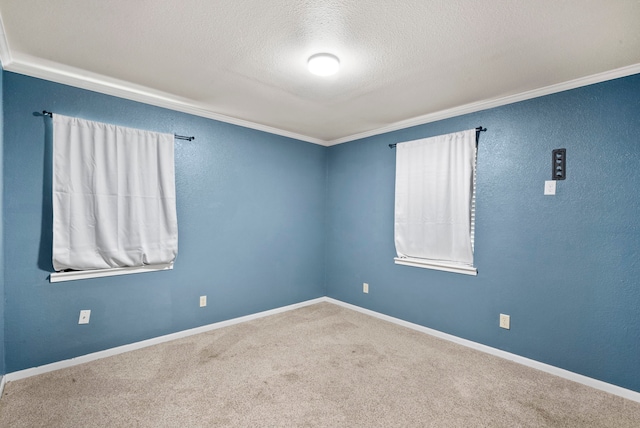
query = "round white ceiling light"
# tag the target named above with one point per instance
(323, 64)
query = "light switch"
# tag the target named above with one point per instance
(550, 187)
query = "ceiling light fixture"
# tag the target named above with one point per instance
(323, 64)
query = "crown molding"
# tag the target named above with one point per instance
(66, 75)
(5, 53)
(59, 73)
(491, 103)
(55, 72)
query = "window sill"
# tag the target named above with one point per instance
(87, 274)
(436, 265)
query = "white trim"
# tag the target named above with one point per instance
(87, 274)
(23, 374)
(59, 73)
(71, 76)
(565, 374)
(3, 380)
(5, 52)
(436, 265)
(492, 103)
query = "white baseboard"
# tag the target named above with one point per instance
(23, 374)
(594, 383)
(566, 374)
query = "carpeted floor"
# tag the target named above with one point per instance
(318, 366)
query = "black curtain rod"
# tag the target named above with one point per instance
(478, 130)
(177, 137)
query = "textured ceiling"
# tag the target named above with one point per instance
(403, 62)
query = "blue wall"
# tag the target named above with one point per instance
(251, 212)
(258, 214)
(565, 267)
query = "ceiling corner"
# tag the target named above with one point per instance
(5, 54)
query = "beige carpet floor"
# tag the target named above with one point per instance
(318, 366)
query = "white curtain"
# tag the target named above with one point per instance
(434, 188)
(114, 201)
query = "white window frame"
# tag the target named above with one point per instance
(99, 273)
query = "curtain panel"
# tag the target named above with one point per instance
(114, 199)
(434, 189)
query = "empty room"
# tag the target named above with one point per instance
(319, 213)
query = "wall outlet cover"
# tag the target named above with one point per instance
(203, 301)
(505, 321)
(85, 314)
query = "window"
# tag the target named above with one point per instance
(435, 202)
(114, 203)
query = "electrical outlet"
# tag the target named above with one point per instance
(365, 287)
(203, 301)
(85, 314)
(505, 321)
